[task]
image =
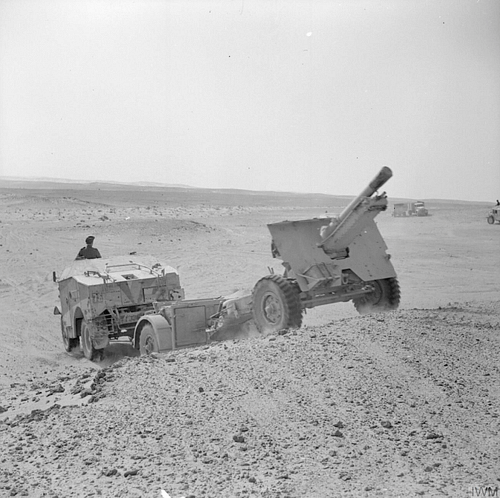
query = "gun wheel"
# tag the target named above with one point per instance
(147, 341)
(88, 349)
(385, 297)
(276, 304)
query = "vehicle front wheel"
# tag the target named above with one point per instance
(490, 219)
(385, 297)
(88, 349)
(276, 304)
(148, 343)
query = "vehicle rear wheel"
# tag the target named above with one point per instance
(276, 304)
(385, 297)
(70, 343)
(490, 219)
(88, 349)
(147, 342)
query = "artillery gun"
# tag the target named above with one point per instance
(329, 260)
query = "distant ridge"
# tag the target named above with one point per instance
(87, 182)
(61, 183)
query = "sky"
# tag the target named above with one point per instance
(285, 95)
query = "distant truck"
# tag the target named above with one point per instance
(494, 215)
(102, 300)
(410, 209)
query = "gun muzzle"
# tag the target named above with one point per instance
(327, 231)
(383, 175)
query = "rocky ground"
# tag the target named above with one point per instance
(399, 404)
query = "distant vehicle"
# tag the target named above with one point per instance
(416, 208)
(494, 215)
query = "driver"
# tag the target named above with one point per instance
(88, 252)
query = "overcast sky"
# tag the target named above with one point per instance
(290, 95)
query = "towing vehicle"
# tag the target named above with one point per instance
(103, 300)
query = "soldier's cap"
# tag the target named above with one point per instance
(89, 239)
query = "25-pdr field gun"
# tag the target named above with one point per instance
(329, 260)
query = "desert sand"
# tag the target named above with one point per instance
(400, 404)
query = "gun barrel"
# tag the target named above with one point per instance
(382, 177)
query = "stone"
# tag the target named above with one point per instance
(132, 472)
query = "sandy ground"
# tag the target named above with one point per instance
(401, 404)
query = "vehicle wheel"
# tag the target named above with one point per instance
(70, 343)
(276, 304)
(385, 297)
(87, 347)
(147, 342)
(490, 219)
